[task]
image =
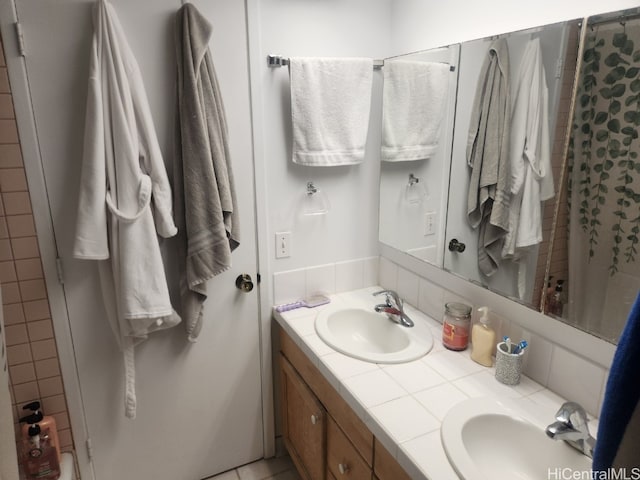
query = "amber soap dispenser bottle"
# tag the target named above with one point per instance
(40, 445)
(483, 339)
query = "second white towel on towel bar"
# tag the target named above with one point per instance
(414, 100)
(330, 104)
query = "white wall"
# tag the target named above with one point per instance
(317, 28)
(420, 24)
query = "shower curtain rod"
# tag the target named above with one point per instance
(630, 14)
(276, 61)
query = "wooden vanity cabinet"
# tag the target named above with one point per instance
(304, 423)
(385, 466)
(338, 446)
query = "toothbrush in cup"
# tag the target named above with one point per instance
(520, 347)
(507, 341)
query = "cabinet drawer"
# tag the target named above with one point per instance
(385, 466)
(343, 460)
(353, 427)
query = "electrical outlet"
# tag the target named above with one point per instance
(283, 244)
(429, 223)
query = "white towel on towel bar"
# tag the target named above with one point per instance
(330, 103)
(414, 100)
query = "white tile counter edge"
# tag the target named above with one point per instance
(415, 445)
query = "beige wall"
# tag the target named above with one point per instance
(31, 347)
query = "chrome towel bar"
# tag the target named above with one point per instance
(275, 61)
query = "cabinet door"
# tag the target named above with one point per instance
(343, 460)
(303, 424)
(354, 428)
(386, 467)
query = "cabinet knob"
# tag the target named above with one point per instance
(314, 419)
(343, 468)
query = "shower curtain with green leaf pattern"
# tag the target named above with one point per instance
(604, 180)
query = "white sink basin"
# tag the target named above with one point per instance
(487, 439)
(371, 336)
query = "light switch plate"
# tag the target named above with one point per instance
(283, 244)
(429, 223)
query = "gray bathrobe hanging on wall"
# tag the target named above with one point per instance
(204, 196)
(488, 157)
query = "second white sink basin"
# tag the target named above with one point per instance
(371, 336)
(487, 439)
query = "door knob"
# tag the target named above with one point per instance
(456, 246)
(244, 282)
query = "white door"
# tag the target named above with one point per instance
(199, 405)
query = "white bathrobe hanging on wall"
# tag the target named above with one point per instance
(530, 160)
(122, 171)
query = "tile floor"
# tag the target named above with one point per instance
(277, 468)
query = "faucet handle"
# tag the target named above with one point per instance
(390, 294)
(574, 416)
(387, 294)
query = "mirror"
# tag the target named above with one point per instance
(514, 274)
(413, 193)
(434, 227)
(415, 206)
(600, 229)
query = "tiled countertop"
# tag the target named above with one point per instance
(405, 404)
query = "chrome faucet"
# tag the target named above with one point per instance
(571, 426)
(393, 308)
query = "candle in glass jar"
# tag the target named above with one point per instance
(455, 326)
